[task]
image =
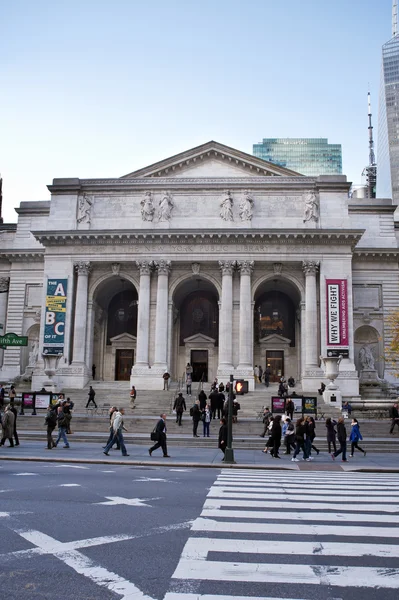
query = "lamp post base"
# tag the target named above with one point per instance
(229, 456)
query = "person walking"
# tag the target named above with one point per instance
(62, 423)
(221, 399)
(50, 422)
(222, 443)
(269, 443)
(355, 437)
(341, 434)
(112, 412)
(15, 434)
(311, 435)
(394, 415)
(93, 371)
(161, 434)
(331, 434)
(189, 381)
(289, 435)
(213, 397)
(91, 395)
(66, 407)
(206, 419)
(179, 406)
(300, 432)
(166, 377)
(133, 396)
(275, 436)
(12, 394)
(289, 408)
(267, 415)
(196, 415)
(7, 424)
(2, 394)
(118, 429)
(202, 397)
(266, 375)
(256, 374)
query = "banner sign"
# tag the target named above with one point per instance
(54, 324)
(297, 400)
(12, 339)
(337, 313)
(278, 405)
(42, 400)
(309, 405)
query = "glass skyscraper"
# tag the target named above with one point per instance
(308, 156)
(388, 118)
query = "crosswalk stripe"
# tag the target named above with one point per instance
(217, 491)
(316, 480)
(293, 573)
(340, 517)
(292, 503)
(198, 548)
(291, 529)
(183, 596)
(306, 485)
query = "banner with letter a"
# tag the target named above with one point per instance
(337, 314)
(54, 324)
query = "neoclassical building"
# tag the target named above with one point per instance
(211, 257)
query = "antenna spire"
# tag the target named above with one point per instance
(394, 18)
(371, 170)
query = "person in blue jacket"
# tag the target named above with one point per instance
(355, 437)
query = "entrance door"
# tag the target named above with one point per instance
(123, 364)
(199, 362)
(275, 358)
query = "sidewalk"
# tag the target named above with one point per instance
(182, 456)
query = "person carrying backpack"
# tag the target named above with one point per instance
(62, 428)
(50, 422)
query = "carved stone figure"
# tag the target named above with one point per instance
(246, 207)
(226, 207)
(366, 358)
(311, 211)
(84, 209)
(196, 267)
(166, 206)
(34, 353)
(115, 267)
(147, 207)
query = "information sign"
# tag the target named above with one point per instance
(28, 399)
(54, 322)
(42, 400)
(278, 404)
(12, 339)
(297, 400)
(309, 405)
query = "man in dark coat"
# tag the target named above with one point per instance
(266, 375)
(161, 433)
(8, 426)
(91, 395)
(196, 414)
(220, 402)
(179, 406)
(394, 414)
(15, 413)
(223, 436)
(213, 397)
(289, 408)
(202, 399)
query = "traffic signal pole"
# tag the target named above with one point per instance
(229, 453)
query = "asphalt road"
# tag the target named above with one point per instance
(98, 532)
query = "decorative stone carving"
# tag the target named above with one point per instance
(246, 207)
(310, 267)
(245, 266)
(34, 353)
(4, 284)
(277, 268)
(147, 207)
(37, 316)
(166, 206)
(82, 267)
(115, 267)
(366, 359)
(144, 266)
(196, 267)
(163, 267)
(84, 209)
(227, 266)
(226, 207)
(311, 209)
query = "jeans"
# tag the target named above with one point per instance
(91, 400)
(166, 384)
(300, 444)
(394, 422)
(179, 417)
(355, 445)
(188, 389)
(195, 427)
(206, 429)
(62, 434)
(334, 445)
(111, 437)
(118, 437)
(342, 448)
(50, 441)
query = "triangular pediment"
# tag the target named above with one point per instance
(274, 338)
(212, 160)
(123, 338)
(199, 338)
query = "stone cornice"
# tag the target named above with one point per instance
(376, 253)
(375, 208)
(327, 237)
(23, 255)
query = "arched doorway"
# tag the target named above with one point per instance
(196, 328)
(277, 328)
(115, 329)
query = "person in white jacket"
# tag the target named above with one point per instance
(118, 429)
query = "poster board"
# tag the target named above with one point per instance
(28, 399)
(42, 400)
(278, 405)
(309, 405)
(297, 400)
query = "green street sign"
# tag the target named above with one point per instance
(12, 339)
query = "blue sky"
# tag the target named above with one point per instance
(94, 88)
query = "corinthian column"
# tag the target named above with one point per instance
(143, 314)
(226, 315)
(79, 336)
(310, 268)
(4, 284)
(246, 345)
(161, 320)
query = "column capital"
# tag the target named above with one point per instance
(163, 267)
(227, 266)
(245, 266)
(4, 284)
(83, 267)
(310, 267)
(144, 266)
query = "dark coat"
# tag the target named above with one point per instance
(213, 397)
(180, 404)
(220, 400)
(341, 429)
(202, 397)
(300, 432)
(276, 431)
(223, 436)
(331, 433)
(160, 427)
(196, 413)
(8, 424)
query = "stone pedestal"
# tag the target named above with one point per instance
(369, 377)
(333, 398)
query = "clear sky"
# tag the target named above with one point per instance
(99, 88)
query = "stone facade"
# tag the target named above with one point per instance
(213, 257)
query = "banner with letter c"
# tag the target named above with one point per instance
(337, 313)
(54, 322)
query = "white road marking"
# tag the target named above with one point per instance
(70, 485)
(338, 517)
(181, 470)
(23, 474)
(305, 486)
(239, 492)
(107, 471)
(115, 500)
(293, 529)
(4, 491)
(142, 479)
(85, 566)
(4, 514)
(292, 503)
(177, 596)
(72, 467)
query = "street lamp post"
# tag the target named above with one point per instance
(229, 453)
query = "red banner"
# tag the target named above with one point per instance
(337, 313)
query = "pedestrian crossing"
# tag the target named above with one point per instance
(293, 536)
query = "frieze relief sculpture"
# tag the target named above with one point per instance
(147, 207)
(166, 206)
(311, 210)
(226, 207)
(85, 203)
(34, 353)
(366, 359)
(246, 207)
